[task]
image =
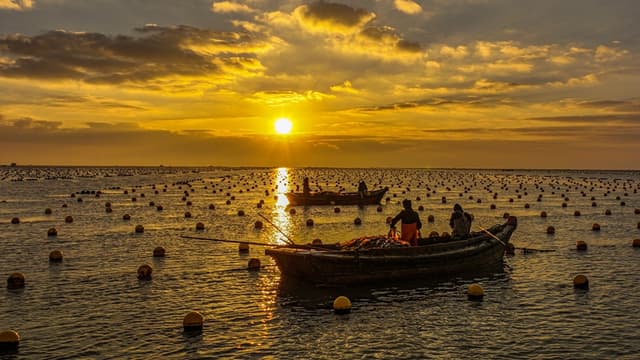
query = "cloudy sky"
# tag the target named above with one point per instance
(377, 83)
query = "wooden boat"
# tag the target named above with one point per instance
(335, 198)
(328, 265)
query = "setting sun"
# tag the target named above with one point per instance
(283, 126)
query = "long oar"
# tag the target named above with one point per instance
(493, 236)
(229, 241)
(289, 241)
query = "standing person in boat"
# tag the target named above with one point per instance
(362, 189)
(460, 222)
(306, 190)
(411, 223)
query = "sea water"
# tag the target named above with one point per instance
(91, 305)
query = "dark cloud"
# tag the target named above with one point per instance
(97, 58)
(333, 16)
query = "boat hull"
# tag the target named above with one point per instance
(380, 265)
(330, 198)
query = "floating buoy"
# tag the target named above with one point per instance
(510, 249)
(243, 247)
(309, 222)
(9, 340)
(159, 208)
(594, 204)
(228, 202)
(158, 252)
(47, 211)
(581, 245)
(420, 208)
(187, 214)
(316, 242)
(68, 219)
(543, 214)
(253, 264)
(139, 229)
(52, 232)
(126, 217)
(581, 282)
(551, 230)
(595, 227)
(240, 212)
(342, 305)
(152, 204)
(475, 292)
(107, 204)
(389, 219)
(212, 207)
(200, 226)
(526, 206)
(636, 211)
(108, 210)
(505, 215)
(434, 234)
(379, 208)
(431, 218)
(576, 213)
(193, 322)
(133, 199)
(15, 220)
(493, 206)
(357, 221)
(15, 281)
(258, 225)
(623, 204)
(64, 205)
(607, 212)
(55, 256)
(144, 272)
(635, 243)
(189, 203)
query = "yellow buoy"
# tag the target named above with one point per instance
(254, 264)
(52, 232)
(342, 305)
(200, 226)
(9, 340)
(240, 212)
(55, 256)
(144, 272)
(47, 211)
(581, 282)
(581, 245)
(243, 247)
(258, 224)
(193, 321)
(551, 230)
(15, 220)
(68, 219)
(187, 214)
(158, 252)
(357, 221)
(126, 217)
(15, 281)
(310, 222)
(139, 229)
(475, 292)
(336, 210)
(543, 214)
(595, 227)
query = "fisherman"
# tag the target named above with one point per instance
(411, 223)
(362, 189)
(460, 222)
(306, 190)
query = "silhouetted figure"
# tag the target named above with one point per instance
(410, 223)
(460, 222)
(362, 189)
(306, 190)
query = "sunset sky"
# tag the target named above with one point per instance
(378, 83)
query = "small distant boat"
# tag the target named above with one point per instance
(336, 198)
(329, 265)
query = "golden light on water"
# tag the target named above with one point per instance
(283, 126)
(280, 216)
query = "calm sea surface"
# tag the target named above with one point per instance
(93, 306)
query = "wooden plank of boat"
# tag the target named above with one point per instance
(333, 198)
(380, 264)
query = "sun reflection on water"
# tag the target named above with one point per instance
(279, 216)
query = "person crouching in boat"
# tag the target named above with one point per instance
(411, 223)
(460, 222)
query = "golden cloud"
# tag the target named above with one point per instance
(332, 17)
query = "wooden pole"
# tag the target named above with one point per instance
(228, 241)
(289, 241)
